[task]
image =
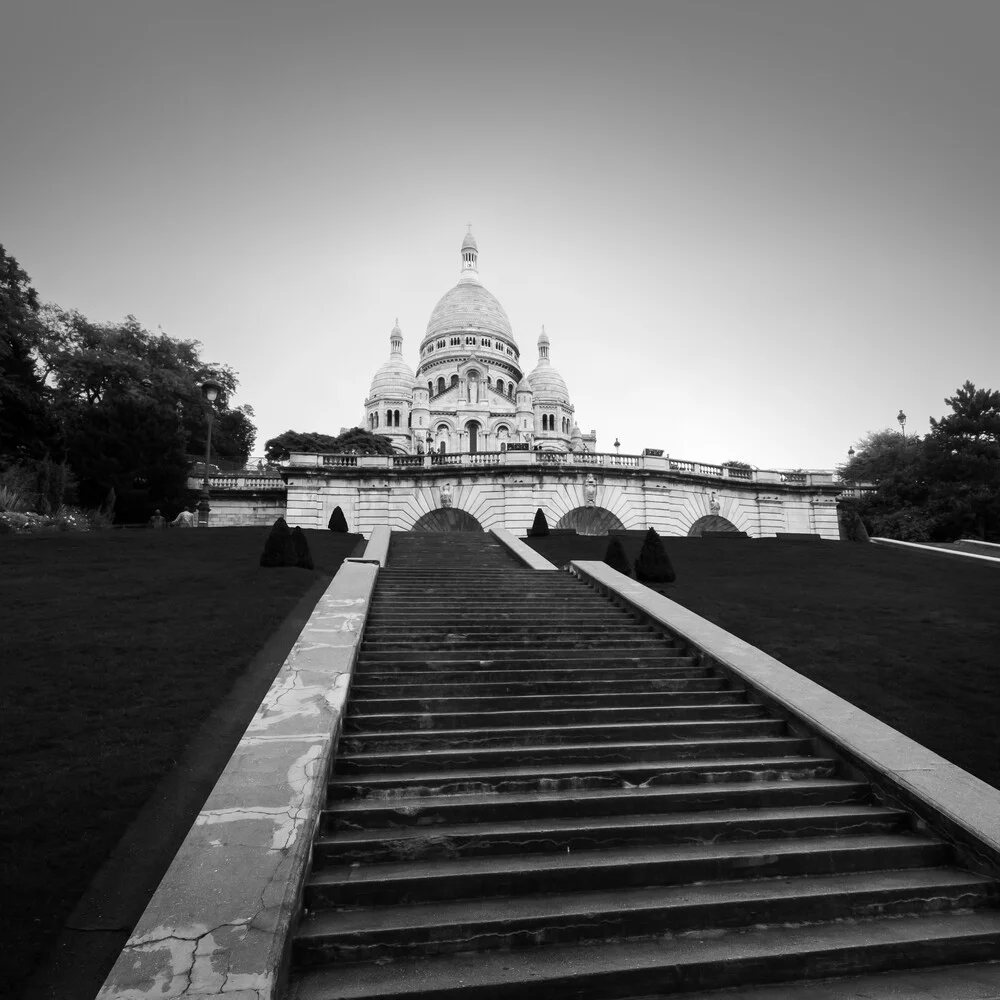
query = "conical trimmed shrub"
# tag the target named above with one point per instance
(279, 549)
(653, 564)
(615, 556)
(539, 527)
(337, 521)
(303, 557)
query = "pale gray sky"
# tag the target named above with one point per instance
(753, 229)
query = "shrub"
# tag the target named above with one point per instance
(337, 521)
(653, 564)
(279, 549)
(12, 499)
(615, 556)
(303, 558)
(539, 527)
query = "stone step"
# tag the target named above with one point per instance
(492, 631)
(485, 646)
(363, 722)
(419, 632)
(517, 683)
(520, 736)
(634, 652)
(491, 618)
(384, 705)
(573, 777)
(524, 811)
(668, 965)
(970, 981)
(645, 751)
(582, 834)
(395, 932)
(461, 672)
(619, 867)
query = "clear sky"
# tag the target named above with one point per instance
(753, 229)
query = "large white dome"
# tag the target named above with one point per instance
(468, 306)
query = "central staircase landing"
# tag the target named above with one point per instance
(539, 795)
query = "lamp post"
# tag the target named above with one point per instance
(901, 417)
(210, 390)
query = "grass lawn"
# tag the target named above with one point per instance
(910, 637)
(115, 646)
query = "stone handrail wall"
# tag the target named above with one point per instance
(606, 460)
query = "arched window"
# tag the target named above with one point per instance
(409, 419)
(375, 415)
(500, 386)
(430, 389)
(454, 380)
(395, 418)
(440, 386)
(388, 418)
(442, 447)
(545, 421)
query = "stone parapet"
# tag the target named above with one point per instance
(958, 806)
(218, 924)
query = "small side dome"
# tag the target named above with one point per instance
(524, 385)
(546, 383)
(395, 377)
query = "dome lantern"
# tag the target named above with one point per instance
(470, 257)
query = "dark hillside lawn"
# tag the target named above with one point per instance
(114, 647)
(910, 637)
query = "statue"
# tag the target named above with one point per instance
(590, 490)
(446, 495)
(713, 505)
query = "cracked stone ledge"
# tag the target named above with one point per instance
(217, 924)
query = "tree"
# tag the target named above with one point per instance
(279, 547)
(539, 527)
(939, 487)
(27, 429)
(130, 406)
(303, 558)
(653, 564)
(337, 521)
(963, 458)
(615, 556)
(354, 441)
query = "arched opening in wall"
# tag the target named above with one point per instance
(395, 418)
(454, 380)
(710, 522)
(441, 386)
(473, 428)
(447, 519)
(590, 521)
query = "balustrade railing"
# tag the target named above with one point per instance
(589, 460)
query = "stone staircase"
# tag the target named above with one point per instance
(537, 795)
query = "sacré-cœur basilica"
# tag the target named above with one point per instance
(480, 443)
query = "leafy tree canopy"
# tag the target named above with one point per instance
(26, 428)
(941, 486)
(354, 441)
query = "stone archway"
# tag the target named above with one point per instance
(447, 519)
(711, 522)
(590, 521)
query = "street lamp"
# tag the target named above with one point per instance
(210, 389)
(901, 417)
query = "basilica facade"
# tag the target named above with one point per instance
(469, 392)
